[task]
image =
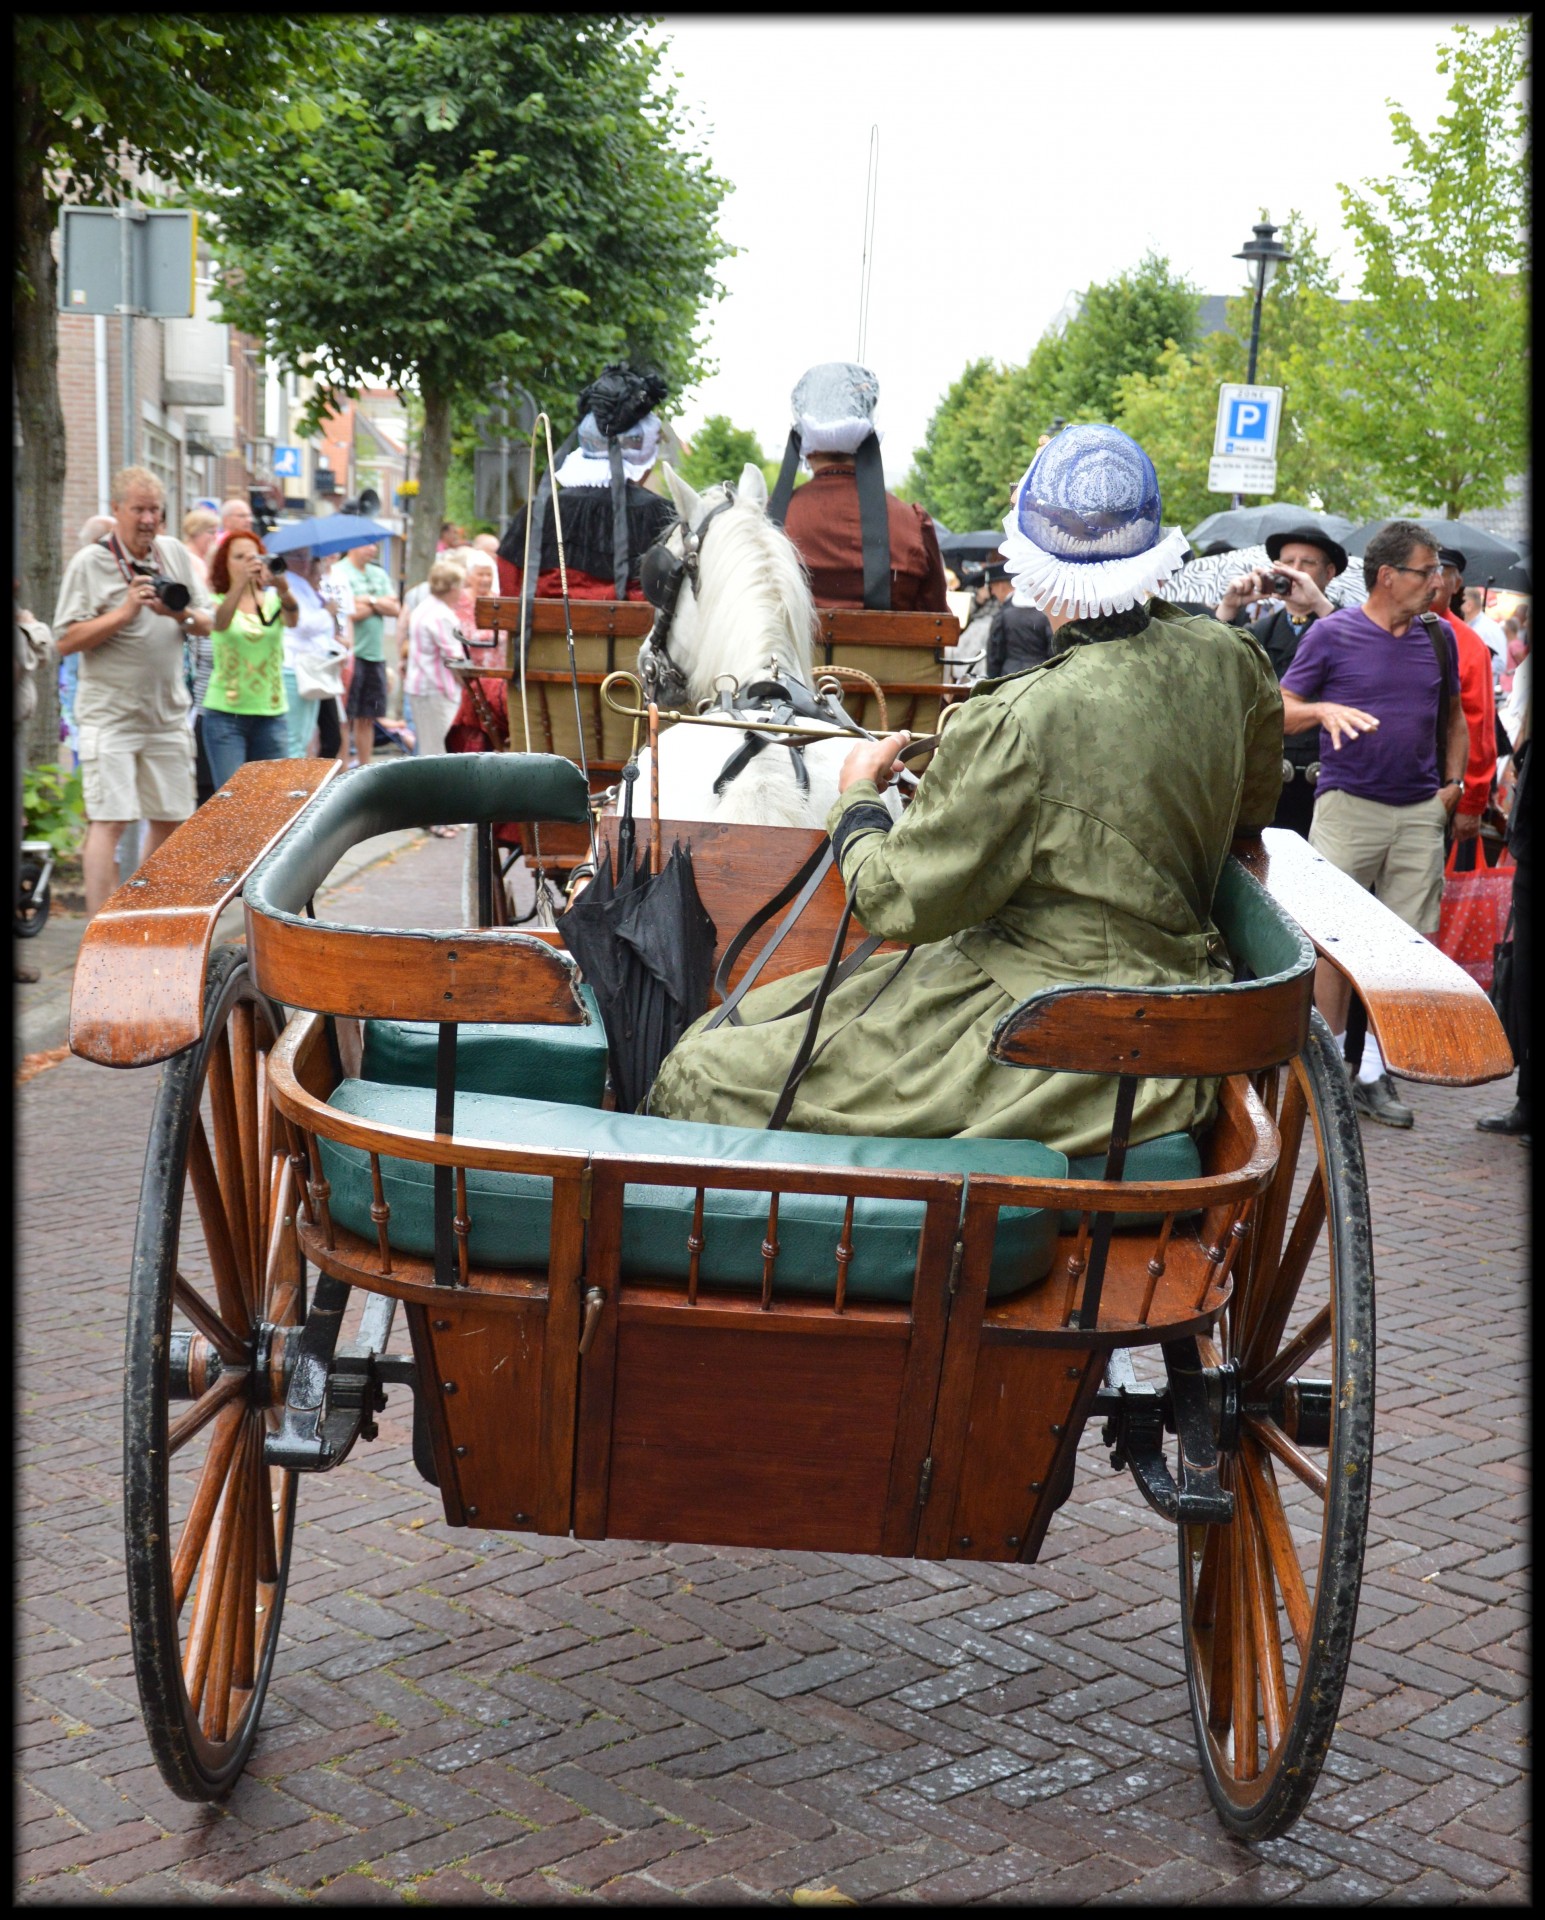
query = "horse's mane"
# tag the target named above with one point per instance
(753, 603)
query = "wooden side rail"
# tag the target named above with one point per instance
(927, 633)
(138, 995)
(592, 619)
(1431, 1020)
(1172, 1032)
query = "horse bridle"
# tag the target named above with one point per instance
(662, 573)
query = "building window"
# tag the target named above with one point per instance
(162, 458)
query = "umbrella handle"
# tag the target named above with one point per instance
(654, 787)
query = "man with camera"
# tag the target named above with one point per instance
(1301, 566)
(127, 606)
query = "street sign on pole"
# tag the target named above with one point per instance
(1244, 446)
(1248, 420)
(127, 260)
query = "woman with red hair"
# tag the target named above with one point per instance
(245, 714)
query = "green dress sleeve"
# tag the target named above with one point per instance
(964, 846)
(1264, 738)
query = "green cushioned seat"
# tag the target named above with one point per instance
(566, 1065)
(1172, 1156)
(509, 1212)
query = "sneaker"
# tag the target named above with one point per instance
(1376, 1098)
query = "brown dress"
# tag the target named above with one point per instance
(823, 523)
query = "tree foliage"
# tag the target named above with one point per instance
(1439, 359)
(1122, 328)
(718, 452)
(96, 100)
(1321, 456)
(502, 196)
(987, 427)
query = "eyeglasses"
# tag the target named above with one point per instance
(1422, 573)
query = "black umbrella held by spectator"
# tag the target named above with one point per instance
(645, 944)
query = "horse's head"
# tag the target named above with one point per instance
(730, 588)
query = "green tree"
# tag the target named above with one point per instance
(1439, 360)
(985, 430)
(718, 452)
(97, 98)
(1321, 459)
(509, 196)
(1122, 327)
(982, 437)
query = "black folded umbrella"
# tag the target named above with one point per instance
(645, 945)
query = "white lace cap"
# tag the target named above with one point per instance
(833, 407)
(589, 465)
(1086, 587)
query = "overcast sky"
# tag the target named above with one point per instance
(1019, 159)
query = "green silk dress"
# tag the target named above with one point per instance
(1070, 829)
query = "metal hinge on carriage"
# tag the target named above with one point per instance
(925, 1481)
(957, 1260)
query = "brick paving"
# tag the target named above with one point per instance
(461, 1717)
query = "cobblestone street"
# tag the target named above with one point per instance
(467, 1717)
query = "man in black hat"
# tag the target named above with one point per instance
(1000, 638)
(1310, 560)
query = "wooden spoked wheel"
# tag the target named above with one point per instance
(1269, 1602)
(217, 1293)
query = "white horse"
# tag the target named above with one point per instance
(749, 615)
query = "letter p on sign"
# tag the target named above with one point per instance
(1247, 420)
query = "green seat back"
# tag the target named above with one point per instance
(566, 1065)
(1172, 1156)
(1265, 942)
(509, 1212)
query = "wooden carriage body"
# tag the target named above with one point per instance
(609, 1381)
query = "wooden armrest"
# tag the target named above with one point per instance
(138, 995)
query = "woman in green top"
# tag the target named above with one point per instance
(245, 713)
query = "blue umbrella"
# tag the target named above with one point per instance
(329, 533)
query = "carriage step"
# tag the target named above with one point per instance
(1194, 1405)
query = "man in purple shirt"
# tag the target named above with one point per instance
(1371, 679)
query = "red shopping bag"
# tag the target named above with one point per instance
(1474, 914)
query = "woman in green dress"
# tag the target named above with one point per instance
(245, 714)
(1070, 829)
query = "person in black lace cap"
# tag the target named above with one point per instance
(610, 519)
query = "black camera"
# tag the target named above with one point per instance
(172, 594)
(1279, 583)
(276, 563)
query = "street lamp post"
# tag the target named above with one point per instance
(1266, 253)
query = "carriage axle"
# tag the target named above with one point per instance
(1202, 1407)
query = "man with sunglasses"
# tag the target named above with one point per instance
(1381, 683)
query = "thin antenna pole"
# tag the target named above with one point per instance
(870, 197)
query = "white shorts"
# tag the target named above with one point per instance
(131, 773)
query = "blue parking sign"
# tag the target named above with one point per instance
(1248, 420)
(286, 463)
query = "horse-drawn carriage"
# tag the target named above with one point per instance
(387, 1161)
